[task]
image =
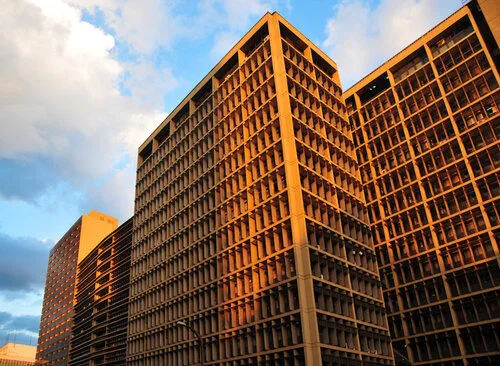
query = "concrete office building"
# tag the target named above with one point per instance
(58, 303)
(426, 130)
(99, 328)
(250, 226)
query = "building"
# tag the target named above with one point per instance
(99, 330)
(250, 226)
(58, 302)
(12, 354)
(426, 132)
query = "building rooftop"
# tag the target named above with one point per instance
(18, 352)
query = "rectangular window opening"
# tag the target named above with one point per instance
(351, 104)
(163, 134)
(410, 64)
(292, 39)
(322, 64)
(146, 152)
(451, 36)
(181, 115)
(203, 93)
(227, 69)
(256, 40)
(374, 88)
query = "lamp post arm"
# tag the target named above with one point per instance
(198, 338)
(194, 331)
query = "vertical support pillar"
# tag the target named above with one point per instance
(310, 332)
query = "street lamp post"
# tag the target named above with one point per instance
(198, 338)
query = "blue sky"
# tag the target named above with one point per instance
(84, 82)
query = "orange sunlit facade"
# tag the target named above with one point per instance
(99, 328)
(12, 354)
(250, 224)
(58, 303)
(426, 127)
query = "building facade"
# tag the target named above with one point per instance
(12, 354)
(250, 225)
(58, 303)
(426, 127)
(99, 329)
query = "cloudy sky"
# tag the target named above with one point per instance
(84, 82)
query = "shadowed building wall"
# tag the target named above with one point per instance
(426, 128)
(99, 329)
(250, 224)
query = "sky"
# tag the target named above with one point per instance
(84, 82)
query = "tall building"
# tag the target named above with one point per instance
(250, 225)
(99, 329)
(426, 130)
(58, 302)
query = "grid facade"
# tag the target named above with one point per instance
(12, 354)
(57, 311)
(99, 329)
(250, 224)
(8, 362)
(426, 130)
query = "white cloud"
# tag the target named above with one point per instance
(27, 303)
(229, 20)
(223, 41)
(360, 38)
(145, 24)
(48, 58)
(60, 97)
(116, 193)
(148, 84)
(149, 24)
(237, 14)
